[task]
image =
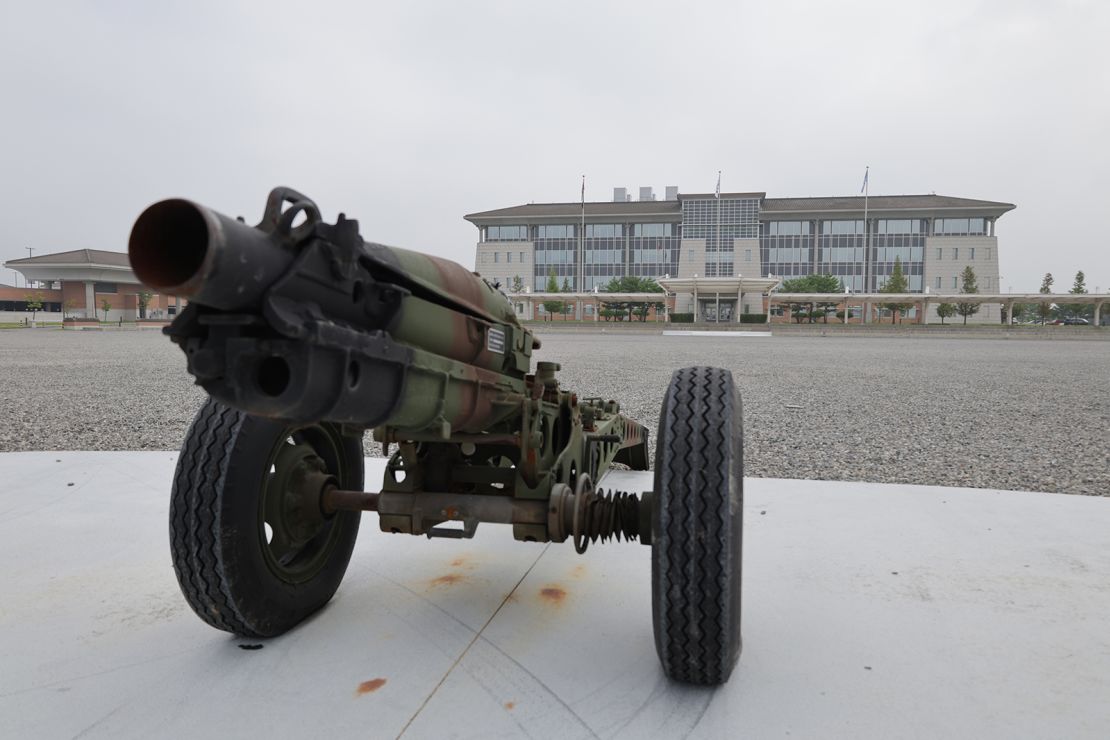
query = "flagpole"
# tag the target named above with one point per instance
(866, 248)
(581, 281)
(718, 245)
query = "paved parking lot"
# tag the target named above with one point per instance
(993, 412)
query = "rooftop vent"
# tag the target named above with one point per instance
(646, 193)
(672, 192)
(620, 195)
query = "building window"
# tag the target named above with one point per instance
(940, 253)
(955, 253)
(522, 257)
(600, 230)
(900, 226)
(955, 283)
(651, 230)
(105, 288)
(506, 233)
(988, 254)
(496, 257)
(961, 226)
(986, 283)
(787, 228)
(748, 255)
(937, 286)
(508, 256)
(842, 227)
(555, 231)
(971, 253)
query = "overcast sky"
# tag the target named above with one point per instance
(409, 115)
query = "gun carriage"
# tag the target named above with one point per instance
(305, 336)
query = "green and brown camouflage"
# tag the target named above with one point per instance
(303, 321)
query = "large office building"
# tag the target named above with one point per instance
(745, 234)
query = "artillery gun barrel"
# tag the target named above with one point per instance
(302, 320)
(181, 248)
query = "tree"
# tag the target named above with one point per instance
(517, 285)
(632, 284)
(896, 283)
(811, 284)
(1045, 309)
(970, 285)
(106, 305)
(145, 297)
(34, 304)
(567, 305)
(945, 311)
(68, 307)
(1079, 288)
(552, 307)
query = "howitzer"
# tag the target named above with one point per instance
(305, 336)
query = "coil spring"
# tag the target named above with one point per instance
(590, 515)
(607, 515)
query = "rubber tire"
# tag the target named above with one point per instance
(697, 524)
(215, 534)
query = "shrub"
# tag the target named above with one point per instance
(682, 318)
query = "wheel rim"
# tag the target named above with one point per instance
(296, 537)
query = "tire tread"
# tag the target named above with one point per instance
(697, 582)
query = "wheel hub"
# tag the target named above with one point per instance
(291, 508)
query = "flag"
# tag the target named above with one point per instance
(865, 173)
(718, 195)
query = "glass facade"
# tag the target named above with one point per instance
(610, 251)
(720, 221)
(840, 247)
(505, 234)
(898, 239)
(960, 226)
(786, 248)
(792, 249)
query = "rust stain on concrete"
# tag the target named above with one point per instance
(578, 572)
(510, 705)
(369, 687)
(553, 594)
(446, 580)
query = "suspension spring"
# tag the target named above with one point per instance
(588, 515)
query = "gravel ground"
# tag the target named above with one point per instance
(992, 413)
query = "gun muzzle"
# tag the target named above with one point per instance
(180, 248)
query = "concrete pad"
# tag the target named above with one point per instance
(869, 611)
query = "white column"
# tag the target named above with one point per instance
(925, 312)
(1098, 313)
(90, 300)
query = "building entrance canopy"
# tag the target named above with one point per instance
(716, 299)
